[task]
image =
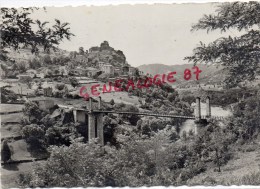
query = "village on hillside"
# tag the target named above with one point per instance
(39, 75)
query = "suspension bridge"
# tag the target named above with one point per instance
(94, 117)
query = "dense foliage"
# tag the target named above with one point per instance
(19, 30)
(138, 161)
(240, 55)
(8, 95)
(246, 120)
(152, 153)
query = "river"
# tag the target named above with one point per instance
(215, 111)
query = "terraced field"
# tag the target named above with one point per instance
(19, 147)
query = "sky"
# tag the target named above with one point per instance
(147, 34)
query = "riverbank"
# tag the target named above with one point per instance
(215, 111)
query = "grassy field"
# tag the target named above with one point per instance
(11, 107)
(10, 173)
(18, 87)
(119, 97)
(10, 130)
(19, 148)
(245, 162)
(11, 117)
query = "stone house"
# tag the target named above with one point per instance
(132, 71)
(101, 64)
(125, 70)
(31, 72)
(90, 71)
(24, 76)
(108, 69)
(47, 91)
(81, 59)
(118, 71)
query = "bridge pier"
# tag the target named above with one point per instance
(208, 107)
(199, 122)
(100, 130)
(95, 123)
(198, 109)
(91, 126)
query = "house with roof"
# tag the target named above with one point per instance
(31, 72)
(94, 49)
(125, 70)
(132, 71)
(84, 80)
(24, 76)
(101, 64)
(63, 70)
(81, 59)
(141, 72)
(108, 69)
(118, 71)
(40, 75)
(90, 71)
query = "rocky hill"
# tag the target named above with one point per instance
(101, 54)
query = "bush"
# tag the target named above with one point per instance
(33, 112)
(7, 95)
(60, 86)
(33, 130)
(132, 118)
(34, 135)
(5, 152)
(112, 102)
(209, 181)
(74, 82)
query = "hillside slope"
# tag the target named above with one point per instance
(210, 73)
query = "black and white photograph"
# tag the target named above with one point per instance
(130, 95)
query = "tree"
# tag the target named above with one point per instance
(219, 148)
(19, 30)
(74, 82)
(7, 95)
(239, 55)
(5, 152)
(172, 96)
(47, 59)
(112, 102)
(34, 135)
(28, 81)
(34, 63)
(60, 86)
(132, 118)
(32, 110)
(73, 54)
(21, 67)
(81, 51)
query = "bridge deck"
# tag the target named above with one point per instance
(145, 114)
(159, 115)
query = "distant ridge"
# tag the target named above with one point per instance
(210, 73)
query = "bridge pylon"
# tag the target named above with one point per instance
(199, 121)
(208, 107)
(95, 123)
(198, 109)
